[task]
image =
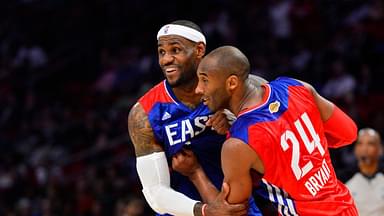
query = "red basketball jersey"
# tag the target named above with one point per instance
(287, 133)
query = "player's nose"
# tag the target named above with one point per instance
(166, 59)
(198, 89)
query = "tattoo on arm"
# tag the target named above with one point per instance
(141, 132)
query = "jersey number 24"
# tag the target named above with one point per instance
(310, 144)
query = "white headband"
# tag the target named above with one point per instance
(184, 31)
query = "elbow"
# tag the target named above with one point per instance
(152, 197)
(353, 134)
(350, 134)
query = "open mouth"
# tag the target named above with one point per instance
(204, 100)
(365, 159)
(171, 70)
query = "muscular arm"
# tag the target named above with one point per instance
(152, 168)
(325, 106)
(204, 185)
(237, 161)
(186, 163)
(339, 128)
(141, 132)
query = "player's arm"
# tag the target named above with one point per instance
(186, 163)
(153, 170)
(237, 160)
(141, 132)
(221, 121)
(339, 128)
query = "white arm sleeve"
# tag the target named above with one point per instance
(154, 176)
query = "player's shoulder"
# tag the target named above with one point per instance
(287, 81)
(379, 177)
(155, 91)
(157, 94)
(244, 125)
(285, 84)
(242, 121)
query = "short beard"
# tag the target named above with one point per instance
(184, 79)
(178, 82)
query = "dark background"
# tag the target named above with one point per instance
(70, 70)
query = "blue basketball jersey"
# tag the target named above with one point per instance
(176, 126)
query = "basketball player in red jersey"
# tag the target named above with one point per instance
(280, 138)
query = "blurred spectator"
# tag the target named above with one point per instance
(365, 80)
(367, 185)
(279, 14)
(32, 55)
(340, 86)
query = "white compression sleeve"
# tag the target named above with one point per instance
(154, 176)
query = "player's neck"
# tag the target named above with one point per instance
(186, 94)
(368, 169)
(250, 96)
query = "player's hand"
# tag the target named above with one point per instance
(221, 121)
(185, 162)
(220, 206)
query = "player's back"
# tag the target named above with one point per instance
(286, 131)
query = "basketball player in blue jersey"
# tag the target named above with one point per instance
(170, 117)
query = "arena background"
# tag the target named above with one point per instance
(70, 70)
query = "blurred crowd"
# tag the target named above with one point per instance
(70, 71)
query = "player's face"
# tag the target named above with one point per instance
(177, 59)
(368, 147)
(212, 88)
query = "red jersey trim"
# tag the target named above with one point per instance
(158, 94)
(264, 100)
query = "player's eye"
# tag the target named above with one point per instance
(161, 52)
(205, 80)
(176, 50)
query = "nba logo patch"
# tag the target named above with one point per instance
(274, 107)
(166, 28)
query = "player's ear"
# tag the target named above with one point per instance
(232, 82)
(200, 49)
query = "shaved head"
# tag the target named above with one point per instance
(223, 77)
(227, 60)
(368, 149)
(370, 132)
